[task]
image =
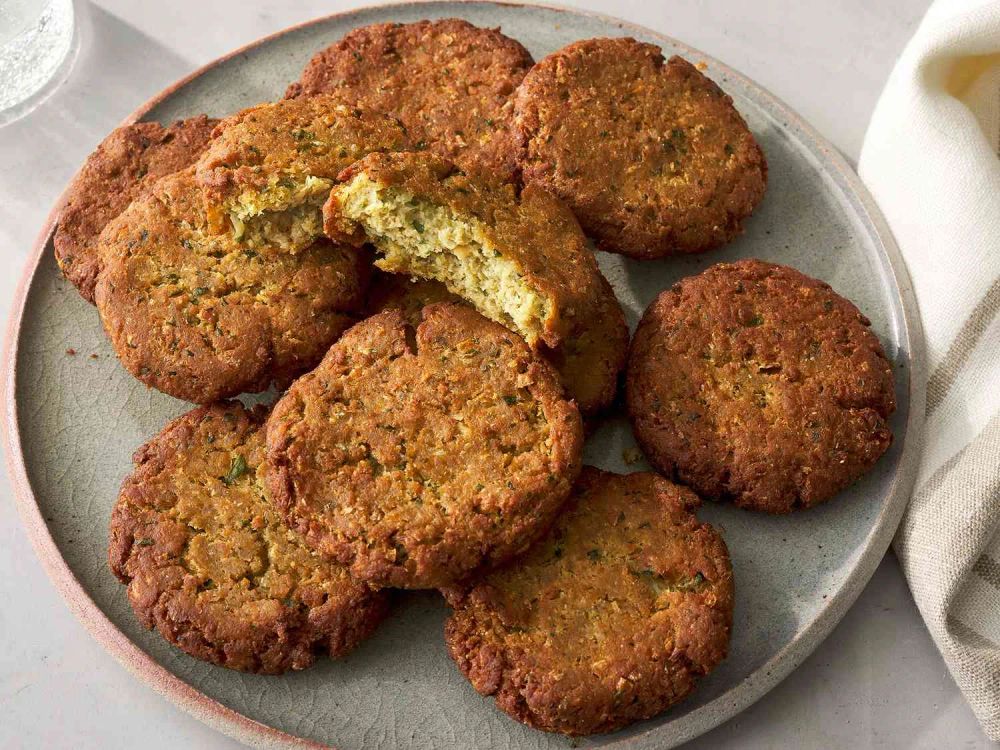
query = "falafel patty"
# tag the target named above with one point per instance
(417, 457)
(446, 81)
(756, 383)
(652, 156)
(609, 619)
(588, 362)
(210, 565)
(518, 256)
(125, 163)
(202, 317)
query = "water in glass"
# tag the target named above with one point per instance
(36, 39)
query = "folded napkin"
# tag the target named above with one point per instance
(930, 158)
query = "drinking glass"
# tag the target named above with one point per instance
(38, 41)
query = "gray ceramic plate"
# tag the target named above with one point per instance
(73, 421)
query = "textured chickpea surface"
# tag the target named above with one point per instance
(447, 81)
(210, 564)
(124, 165)
(756, 383)
(651, 155)
(610, 618)
(418, 456)
(202, 317)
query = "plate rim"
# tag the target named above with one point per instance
(754, 686)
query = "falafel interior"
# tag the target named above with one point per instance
(418, 237)
(286, 213)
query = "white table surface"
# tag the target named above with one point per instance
(876, 682)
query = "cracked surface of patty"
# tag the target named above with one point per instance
(128, 161)
(652, 156)
(588, 363)
(270, 167)
(447, 81)
(417, 457)
(518, 256)
(610, 618)
(756, 383)
(201, 317)
(209, 563)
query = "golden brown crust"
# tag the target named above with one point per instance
(609, 619)
(127, 162)
(317, 136)
(754, 382)
(446, 81)
(199, 317)
(210, 565)
(652, 157)
(416, 457)
(530, 227)
(590, 359)
(588, 363)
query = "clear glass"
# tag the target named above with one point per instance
(38, 41)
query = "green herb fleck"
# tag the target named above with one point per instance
(144, 542)
(418, 225)
(510, 400)
(675, 143)
(594, 555)
(755, 321)
(691, 584)
(236, 469)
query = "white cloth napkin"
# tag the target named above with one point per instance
(931, 160)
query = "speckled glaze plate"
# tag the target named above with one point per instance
(72, 423)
